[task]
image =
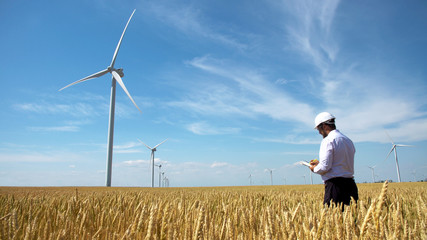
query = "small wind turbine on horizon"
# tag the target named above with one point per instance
(394, 148)
(152, 159)
(271, 175)
(160, 173)
(117, 75)
(250, 179)
(311, 177)
(373, 173)
(163, 179)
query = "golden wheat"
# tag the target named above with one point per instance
(388, 211)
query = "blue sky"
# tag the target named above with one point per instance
(233, 85)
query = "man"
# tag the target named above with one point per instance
(336, 162)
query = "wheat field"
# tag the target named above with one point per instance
(384, 211)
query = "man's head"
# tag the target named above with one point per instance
(324, 123)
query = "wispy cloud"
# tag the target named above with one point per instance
(218, 164)
(363, 97)
(188, 20)
(309, 32)
(203, 128)
(129, 147)
(37, 157)
(254, 94)
(76, 109)
(55, 129)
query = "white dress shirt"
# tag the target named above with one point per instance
(336, 156)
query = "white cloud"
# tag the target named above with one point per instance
(218, 164)
(258, 96)
(130, 147)
(75, 109)
(309, 32)
(136, 162)
(188, 20)
(37, 157)
(203, 128)
(55, 129)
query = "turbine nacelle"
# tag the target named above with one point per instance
(117, 70)
(120, 72)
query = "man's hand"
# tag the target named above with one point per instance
(313, 164)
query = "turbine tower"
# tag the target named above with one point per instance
(152, 159)
(117, 75)
(394, 148)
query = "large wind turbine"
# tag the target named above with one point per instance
(394, 148)
(117, 75)
(152, 159)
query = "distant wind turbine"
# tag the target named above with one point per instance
(163, 179)
(311, 177)
(250, 179)
(394, 148)
(373, 173)
(152, 159)
(271, 175)
(160, 173)
(414, 173)
(117, 77)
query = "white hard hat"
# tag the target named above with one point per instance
(322, 117)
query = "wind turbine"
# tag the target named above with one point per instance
(117, 75)
(160, 173)
(163, 177)
(152, 159)
(250, 179)
(271, 175)
(394, 148)
(311, 177)
(373, 173)
(414, 173)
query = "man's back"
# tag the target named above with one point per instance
(336, 156)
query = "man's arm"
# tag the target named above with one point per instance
(325, 159)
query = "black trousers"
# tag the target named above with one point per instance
(340, 190)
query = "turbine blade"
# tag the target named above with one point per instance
(120, 81)
(160, 143)
(401, 145)
(95, 75)
(145, 144)
(389, 137)
(390, 151)
(120, 41)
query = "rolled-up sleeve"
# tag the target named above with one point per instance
(326, 155)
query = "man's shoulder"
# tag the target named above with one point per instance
(335, 134)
